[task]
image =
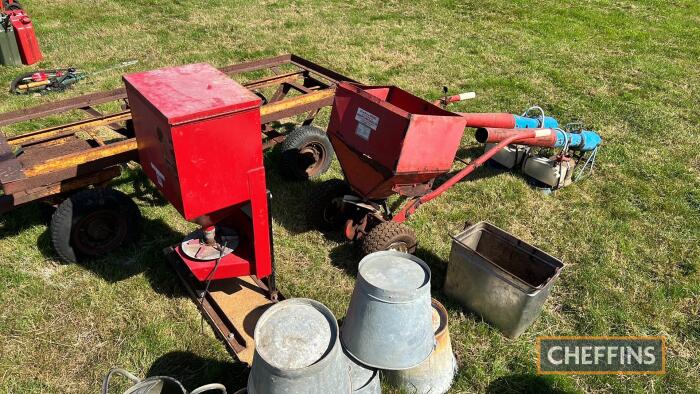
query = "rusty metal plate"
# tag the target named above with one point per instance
(232, 307)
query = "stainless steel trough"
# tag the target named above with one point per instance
(500, 277)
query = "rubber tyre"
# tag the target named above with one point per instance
(325, 215)
(386, 234)
(306, 153)
(110, 213)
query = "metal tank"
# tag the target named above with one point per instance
(388, 323)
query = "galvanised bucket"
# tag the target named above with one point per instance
(435, 374)
(297, 351)
(365, 380)
(388, 323)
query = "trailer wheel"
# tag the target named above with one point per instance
(92, 223)
(327, 204)
(306, 153)
(389, 236)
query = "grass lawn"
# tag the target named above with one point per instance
(629, 235)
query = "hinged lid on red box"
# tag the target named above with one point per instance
(192, 92)
(198, 136)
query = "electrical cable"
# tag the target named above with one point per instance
(138, 383)
(591, 161)
(208, 280)
(538, 108)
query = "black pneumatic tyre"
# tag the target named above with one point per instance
(326, 205)
(389, 236)
(306, 153)
(92, 223)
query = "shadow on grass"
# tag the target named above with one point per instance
(144, 256)
(22, 218)
(146, 192)
(346, 256)
(489, 170)
(524, 384)
(194, 371)
(291, 199)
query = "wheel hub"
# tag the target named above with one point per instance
(311, 158)
(99, 232)
(399, 246)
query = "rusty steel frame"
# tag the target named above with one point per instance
(313, 83)
(217, 318)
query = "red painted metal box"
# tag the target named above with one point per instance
(198, 135)
(389, 141)
(26, 38)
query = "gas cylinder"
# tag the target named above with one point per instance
(26, 38)
(9, 53)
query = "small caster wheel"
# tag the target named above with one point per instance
(389, 236)
(327, 204)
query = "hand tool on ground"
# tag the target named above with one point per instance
(45, 81)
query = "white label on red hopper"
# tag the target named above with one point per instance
(366, 123)
(363, 131)
(543, 133)
(159, 175)
(366, 118)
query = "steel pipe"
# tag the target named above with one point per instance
(411, 206)
(507, 121)
(584, 141)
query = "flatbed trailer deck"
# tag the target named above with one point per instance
(49, 163)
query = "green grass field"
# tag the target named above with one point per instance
(629, 235)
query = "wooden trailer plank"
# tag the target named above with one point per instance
(10, 167)
(24, 197)
(78, 158)
(68, 173)
(65, 130)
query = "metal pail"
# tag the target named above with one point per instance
(388, 323)
(435, 374)
(365, 380)
(297, 351)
